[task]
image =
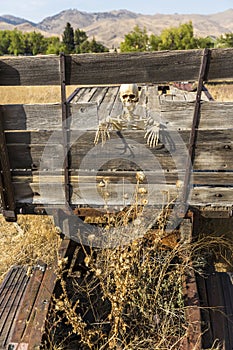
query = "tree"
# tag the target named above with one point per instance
(136, 40)
(5, 40)
(68, 39)
(178, 38)
(97, 47)
(92, 46)
(54, 46)
(205, 42)
(35, 43)
(225, 40)
(79, 38)
(154, 42)
(17, 43)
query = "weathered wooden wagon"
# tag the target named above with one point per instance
(50, 164)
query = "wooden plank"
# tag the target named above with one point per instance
(220, 64)
(114, 68)
(48, 116)
(199, 178)
(30, 70)
(126, 152)
(106, 107)
(227, 290)
(12, 292)
(40, 309)
(206, 326)
(209, 178)
(118, 193)
(222, 137)
(216, 305)
(218, 196)
(26, 307)
(90, 194)
(117, 68)
(30, 321)
(214, 115)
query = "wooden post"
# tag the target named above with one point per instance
(6, 187)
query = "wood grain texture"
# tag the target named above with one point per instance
(115, 68)
(29, 70)
(34, 141)
(121, 193)
(85, 115)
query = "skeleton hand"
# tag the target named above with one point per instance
(104, 129)
(152, 135)
(103, 133)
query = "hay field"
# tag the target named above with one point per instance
(52, 94)
(32, 94)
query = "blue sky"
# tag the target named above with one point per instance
(37, 10)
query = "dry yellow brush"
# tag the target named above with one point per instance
(128, 297)
(31, 239)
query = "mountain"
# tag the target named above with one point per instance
(110, 27)
(14, 20)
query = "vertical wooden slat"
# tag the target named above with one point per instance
(195, 124)
(65, 128)
(6, 187)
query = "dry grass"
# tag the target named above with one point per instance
(52, 94)
(31, 239)
(32, 94)
(221, 92)
(129, 297)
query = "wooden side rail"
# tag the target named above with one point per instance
(115, 68)
(24, 302)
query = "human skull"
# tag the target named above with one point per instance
(128, 93)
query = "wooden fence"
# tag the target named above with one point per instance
(29, 131)
(48, 157)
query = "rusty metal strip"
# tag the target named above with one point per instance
(6, 187)
(65, 128)
(195, 124)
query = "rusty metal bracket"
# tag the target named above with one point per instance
(195, 124)
(6, 186)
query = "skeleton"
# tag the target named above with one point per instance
(129, 96)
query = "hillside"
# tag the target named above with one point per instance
(109, 28)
